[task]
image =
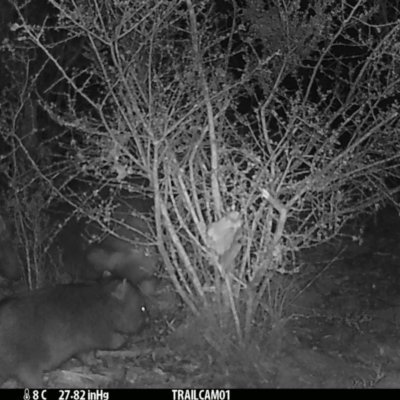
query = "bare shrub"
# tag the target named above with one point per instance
(237, 193)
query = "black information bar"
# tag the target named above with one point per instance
(120, 394)
(132, 394)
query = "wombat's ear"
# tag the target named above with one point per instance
(120, 291)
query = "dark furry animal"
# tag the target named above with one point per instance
(43, 328)
(126, 250)
(126, 254)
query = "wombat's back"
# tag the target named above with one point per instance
(41, 329)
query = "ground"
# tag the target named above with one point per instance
(339, 331)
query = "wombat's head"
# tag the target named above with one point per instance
(129, 309)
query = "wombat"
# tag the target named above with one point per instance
(86, 251)
(132, 265)
(127, 254)
(42, 328)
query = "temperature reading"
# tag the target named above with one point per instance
(35, 394)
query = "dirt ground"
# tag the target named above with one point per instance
(340, 331)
